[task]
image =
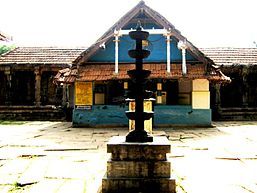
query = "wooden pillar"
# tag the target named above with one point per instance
(8, 94)
(64, 95)
(217, 96)
(245, 87)
(37, 86)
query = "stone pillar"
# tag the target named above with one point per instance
(8, 93)
(245, 87)
(217, 112)
(217, 96)
(37, 87)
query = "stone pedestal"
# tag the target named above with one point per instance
(138, 167)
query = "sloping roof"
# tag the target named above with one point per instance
(106, 72)
(232, 56)
(40, 55)
(102, 72)
(158, 18)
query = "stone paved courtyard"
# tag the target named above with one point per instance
(53, 157)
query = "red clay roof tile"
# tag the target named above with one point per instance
(232, 56)
(41, 55)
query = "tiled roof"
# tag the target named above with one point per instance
(41, 55)
(106, 72)
(102, 72)
(232, 56)
(66, 75)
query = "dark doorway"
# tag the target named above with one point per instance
(231, 94)
(171, 89)
(115, 92)
(23, 88)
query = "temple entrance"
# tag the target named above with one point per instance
(231, 94)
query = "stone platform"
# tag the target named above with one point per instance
(138, 167)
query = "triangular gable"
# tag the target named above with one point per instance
(125, 22)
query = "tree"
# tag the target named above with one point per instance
(5, 48)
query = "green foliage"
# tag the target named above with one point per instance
(5, 48)
(2, 122)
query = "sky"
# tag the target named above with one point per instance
(79, 23)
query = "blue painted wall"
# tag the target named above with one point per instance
(157, 47)
(165, 115)
(181, 115)
(100, 115)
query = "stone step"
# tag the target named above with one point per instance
(138, 185)
(138, 169)
(31, 113)
(154, 151)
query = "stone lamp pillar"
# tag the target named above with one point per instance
(139, 78)
(138, 162)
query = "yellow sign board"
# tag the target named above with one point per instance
(84, 93)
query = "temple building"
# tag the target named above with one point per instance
(181, 75)
(27, 90)
(88, 86)
(237, 100)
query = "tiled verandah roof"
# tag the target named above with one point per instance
(232, 56)
(40, 55)
(103, 72)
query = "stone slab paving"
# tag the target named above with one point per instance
(53, 157)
